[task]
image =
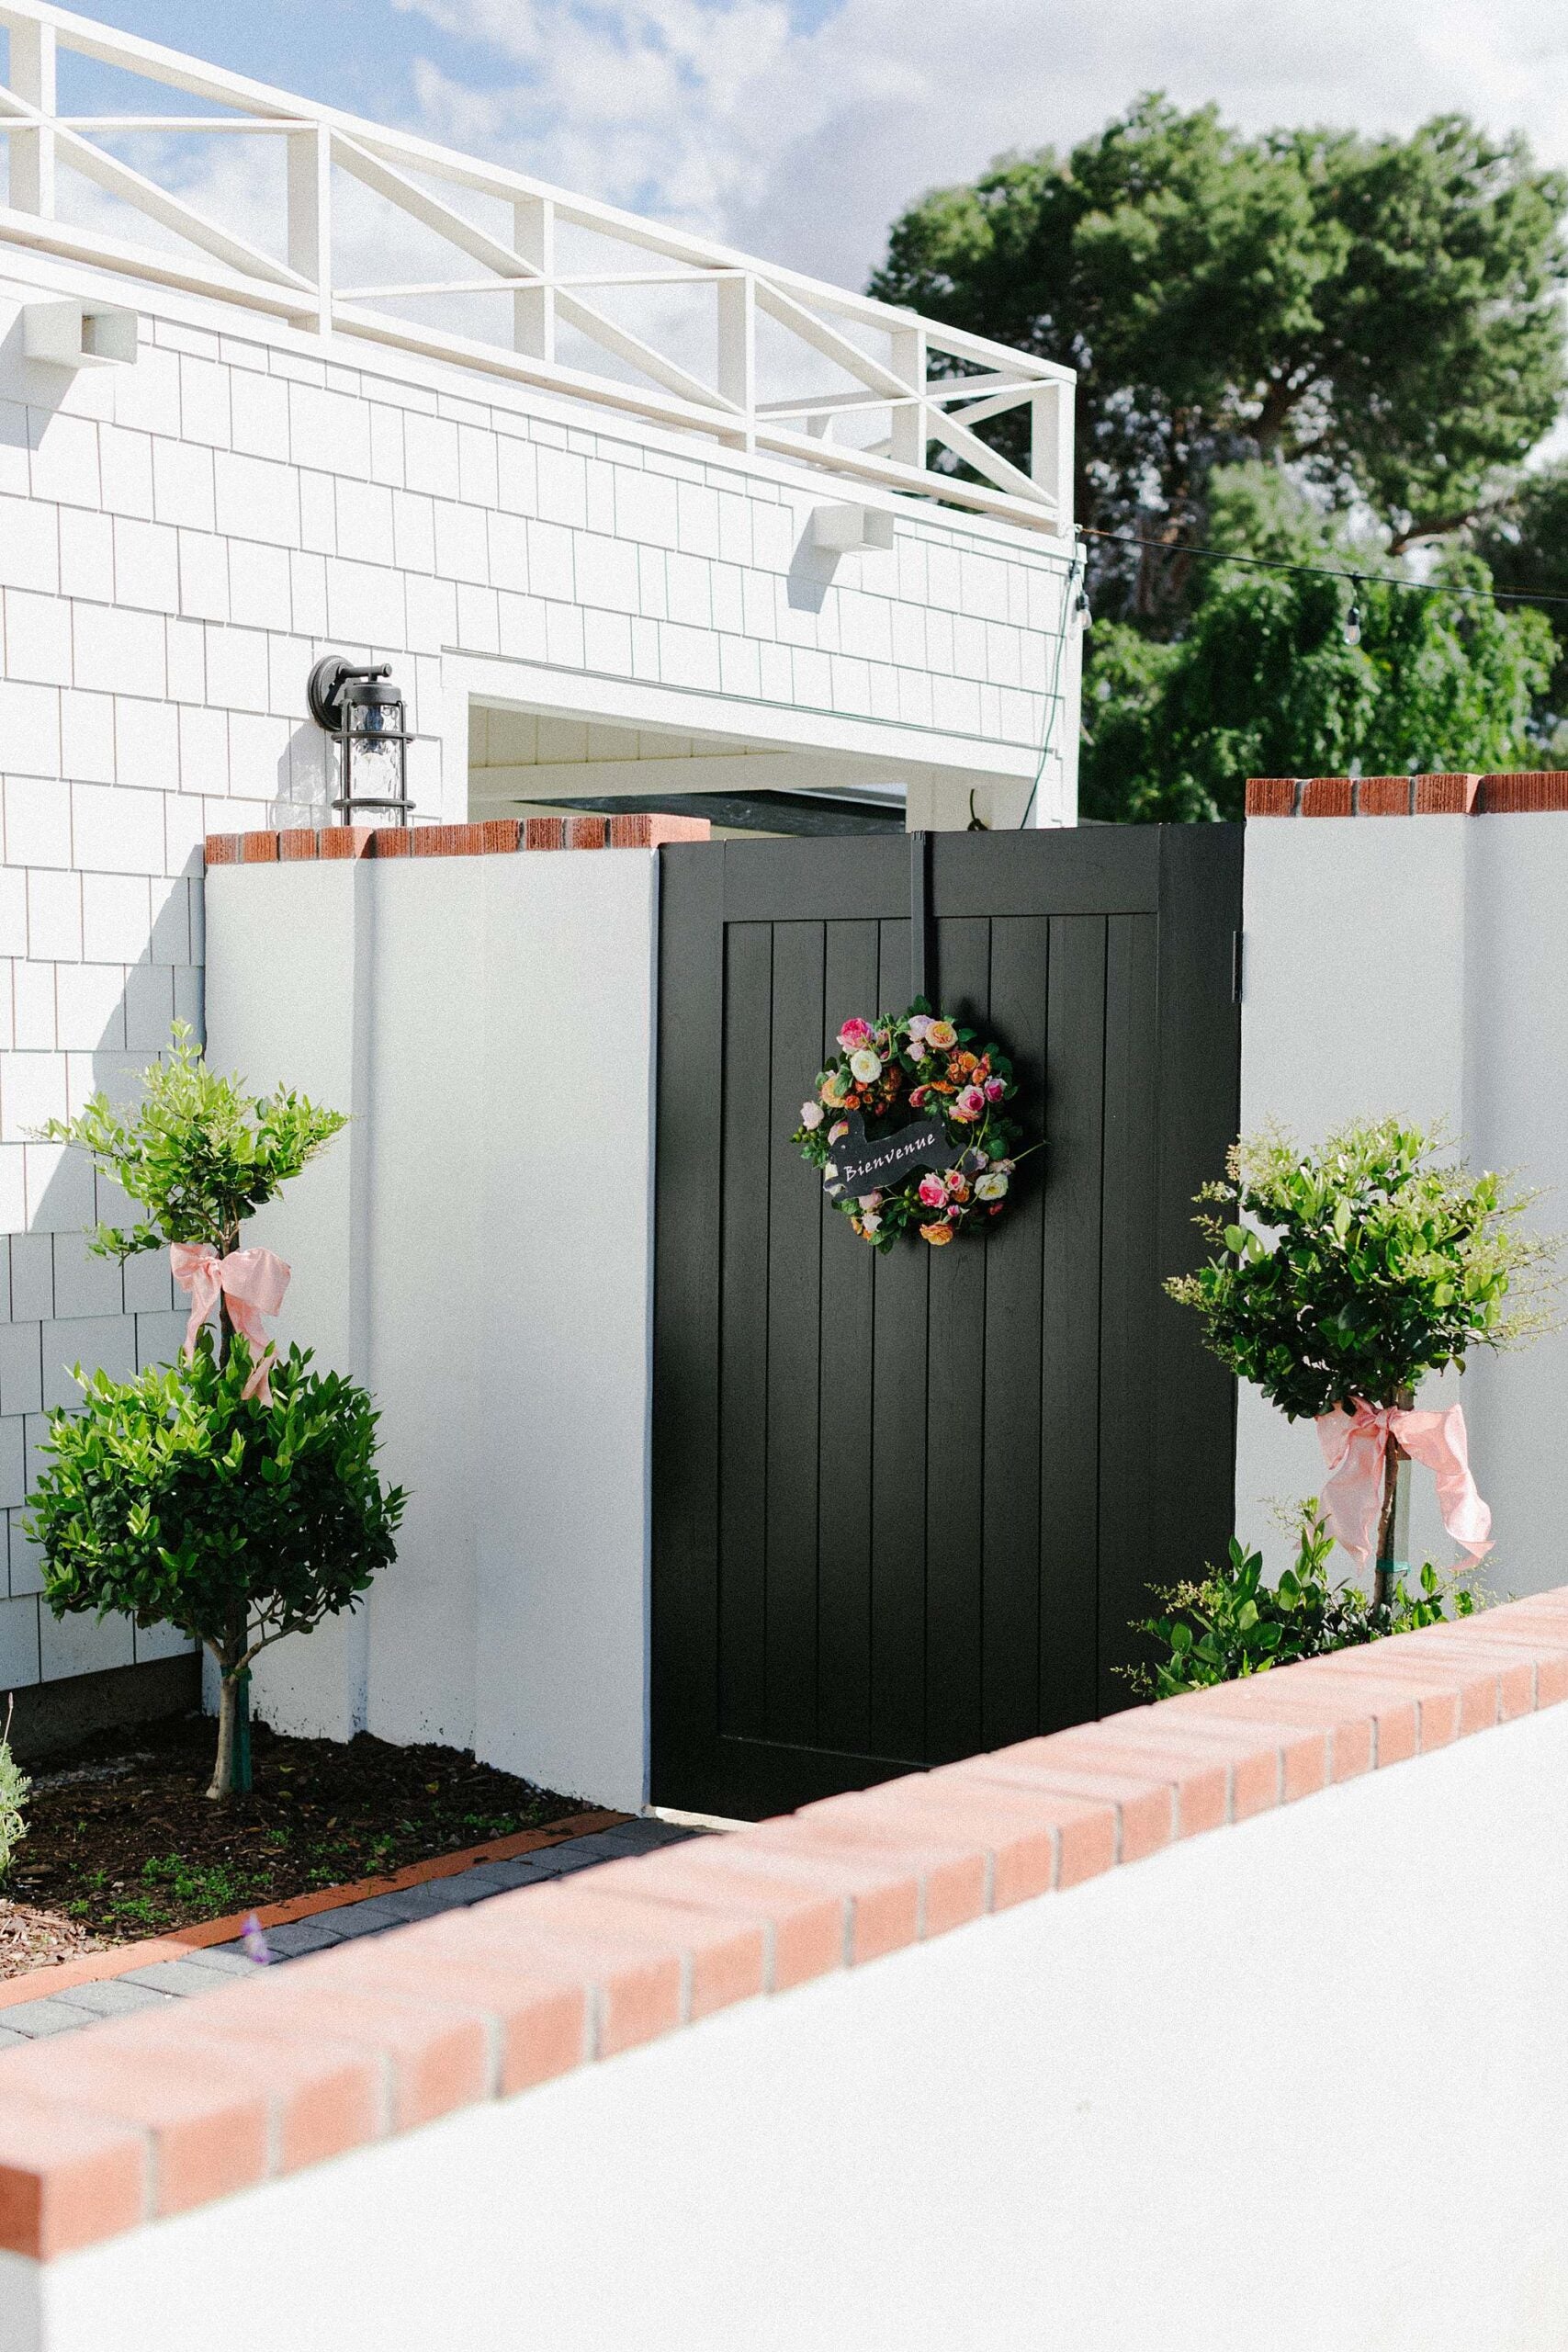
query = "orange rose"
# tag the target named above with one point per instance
(936, 1234)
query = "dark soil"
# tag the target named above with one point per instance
(122, 1843)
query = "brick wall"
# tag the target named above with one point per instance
(1044, 1994)
(1525, 793)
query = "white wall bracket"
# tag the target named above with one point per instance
(840, 528)
(73, 335)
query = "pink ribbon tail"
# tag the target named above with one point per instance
(1354, 1447)
(254, 1282)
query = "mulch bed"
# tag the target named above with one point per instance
(122, 1843)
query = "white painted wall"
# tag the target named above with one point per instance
(477, 1250)
(1414, 967)
(1296, 2085)
(178, 541)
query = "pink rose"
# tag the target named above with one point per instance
(871, 1200)
(854, 1034)
(954, 1216)
(971, 1104)
(842, 1128)
(995, 1090)
(917, 1096)
(933, 1192)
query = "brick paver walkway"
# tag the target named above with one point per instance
(178, 1980)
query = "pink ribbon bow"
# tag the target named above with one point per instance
(1353, 1446)
(252, 1281)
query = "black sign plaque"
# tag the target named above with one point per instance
(860, 1165)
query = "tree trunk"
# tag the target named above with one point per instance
(222, 1782)
(1393, 1517)
(232, 1767)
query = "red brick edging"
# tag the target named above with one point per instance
(96, 1967)
(156, 2114)
(1407, 795)
(497, 836)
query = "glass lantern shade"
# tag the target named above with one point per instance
(364, 710)
(375, 750)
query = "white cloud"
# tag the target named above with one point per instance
(802, 140)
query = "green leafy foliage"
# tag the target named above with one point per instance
(177, 1500)
(1524, 543)
(199, 1154)
(15, 1786)
(1380, 314)
(1262, 681)
(175, 1497)
(1370, 325)
(1351, 1272)
(1231, 1623)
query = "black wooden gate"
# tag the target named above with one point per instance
(906, 1506)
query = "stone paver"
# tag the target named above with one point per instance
(203, 1971)
(115, 1998)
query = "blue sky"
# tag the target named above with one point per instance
(798, 128)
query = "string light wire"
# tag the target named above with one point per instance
(1325, 570)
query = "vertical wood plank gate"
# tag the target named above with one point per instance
(904, 1507)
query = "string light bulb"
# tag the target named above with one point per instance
(1353, 617)
(1081, 608)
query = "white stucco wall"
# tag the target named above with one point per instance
(476, 1248)
(1295, 2086)
(1414, 967)
(178, 541)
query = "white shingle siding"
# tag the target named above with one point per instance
(179, 539)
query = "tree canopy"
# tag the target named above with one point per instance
(1380, 314)
(1524, 543)
(1263, 680)
(1312, 346)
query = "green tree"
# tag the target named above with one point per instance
(176, 1497)
(1381, 314)
(1525, 544)
(1346, 1274)
(1265, 682)
(179, 1501)
(200, 1155)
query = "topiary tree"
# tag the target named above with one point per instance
(181, 1499)
(200, 1155)
(1360, 1268)
(231, 1496)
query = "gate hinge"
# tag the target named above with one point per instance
(1236, 938)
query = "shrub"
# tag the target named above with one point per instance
(179, 1501)
(1231, 1623)
(200, 1155)
(1384, 1262)
(174, 1497)
(15, 1786)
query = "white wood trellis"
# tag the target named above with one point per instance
(879, 357)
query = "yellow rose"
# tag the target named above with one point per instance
(942, 1037)
(936, 1234)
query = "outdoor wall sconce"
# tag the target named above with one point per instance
(70, 334)
(364, 710)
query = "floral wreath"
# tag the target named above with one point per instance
(921, 1062)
